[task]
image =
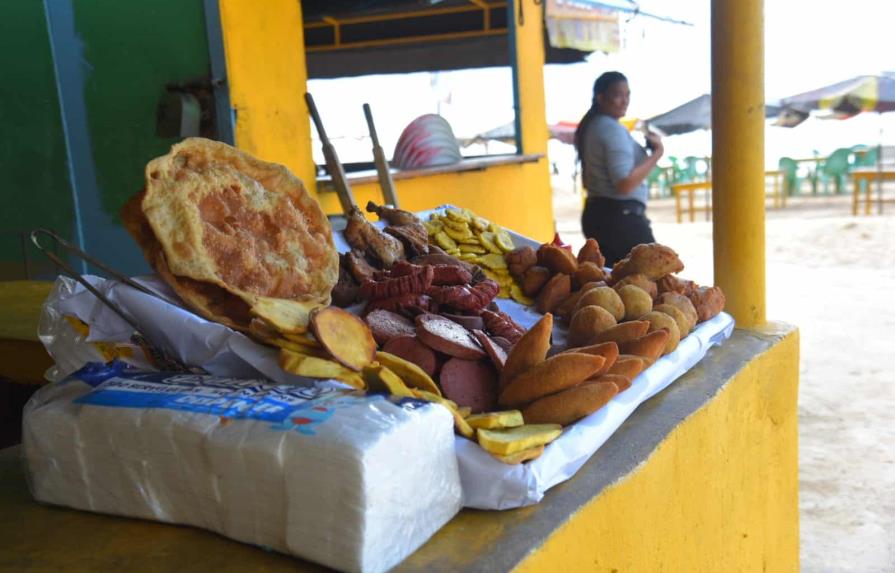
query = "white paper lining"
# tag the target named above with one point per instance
(487, 483)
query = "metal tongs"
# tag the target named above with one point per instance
(162, 359)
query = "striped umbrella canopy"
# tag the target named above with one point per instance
(693, 115)
(847, 98)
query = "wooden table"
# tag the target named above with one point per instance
(779, 197)
(869, 175)
(690, 189)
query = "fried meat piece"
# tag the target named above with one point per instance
(650, 259)
(709, 301)
(362, 235)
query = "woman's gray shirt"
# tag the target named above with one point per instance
(610, 154)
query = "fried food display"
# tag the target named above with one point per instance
(639, 280)
(557, 288)
(552, 375)
(366, 238)
(570, 405)
(244, 244)
(659, 320)
(529, 350)
(557, 259)
(652, 260)
(588, 322)
(604, 297)
(590, 253)
(608, 350)
(650, 345)
(623, 332)
(683, 323)
(708, 301)
(683, 304)
(234, 236)
(636, 301)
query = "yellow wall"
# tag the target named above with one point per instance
(503, 194)
(264, 45)
(719, 494)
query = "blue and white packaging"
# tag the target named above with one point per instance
(318, 472)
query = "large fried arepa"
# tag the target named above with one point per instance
(234, 236)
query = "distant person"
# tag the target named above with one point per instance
(614, 168)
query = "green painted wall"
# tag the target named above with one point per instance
(129, 51)
(134, 49)
(35, 186)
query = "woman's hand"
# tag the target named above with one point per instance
(654, 142)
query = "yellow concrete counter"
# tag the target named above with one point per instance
(703, 477)
(22, 356)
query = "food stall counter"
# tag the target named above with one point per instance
(22, 356)
(701, 477)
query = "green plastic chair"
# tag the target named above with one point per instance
(865, 155)
(835, 168)
(790, 170)
(694, 168)
(678, 174)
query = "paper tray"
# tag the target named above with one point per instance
(487, 483)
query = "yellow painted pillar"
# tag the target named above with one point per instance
(265, 50)
(528, 39)
(738, 156)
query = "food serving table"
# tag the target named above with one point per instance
(712, 458)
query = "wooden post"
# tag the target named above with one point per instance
(738, 156)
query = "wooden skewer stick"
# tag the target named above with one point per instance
(382, 169)
(333, 165)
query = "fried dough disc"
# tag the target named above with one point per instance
(247, 226)
(209, 300)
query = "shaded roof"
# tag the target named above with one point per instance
(351, 37)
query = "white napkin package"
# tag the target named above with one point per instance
(317, 472)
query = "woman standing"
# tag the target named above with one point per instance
(614, 169)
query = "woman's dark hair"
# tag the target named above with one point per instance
(601, 86)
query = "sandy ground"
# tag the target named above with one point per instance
(833, 275)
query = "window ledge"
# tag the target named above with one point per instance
(325, 185)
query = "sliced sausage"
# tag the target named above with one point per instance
(494, 351)
(471, 383)
(503, 342)
(448, 337)
(469, 322)
(386, 325)
(412, 350)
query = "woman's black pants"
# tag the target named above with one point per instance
(618, 225)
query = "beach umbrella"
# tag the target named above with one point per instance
(691, 116)
(847, 98)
